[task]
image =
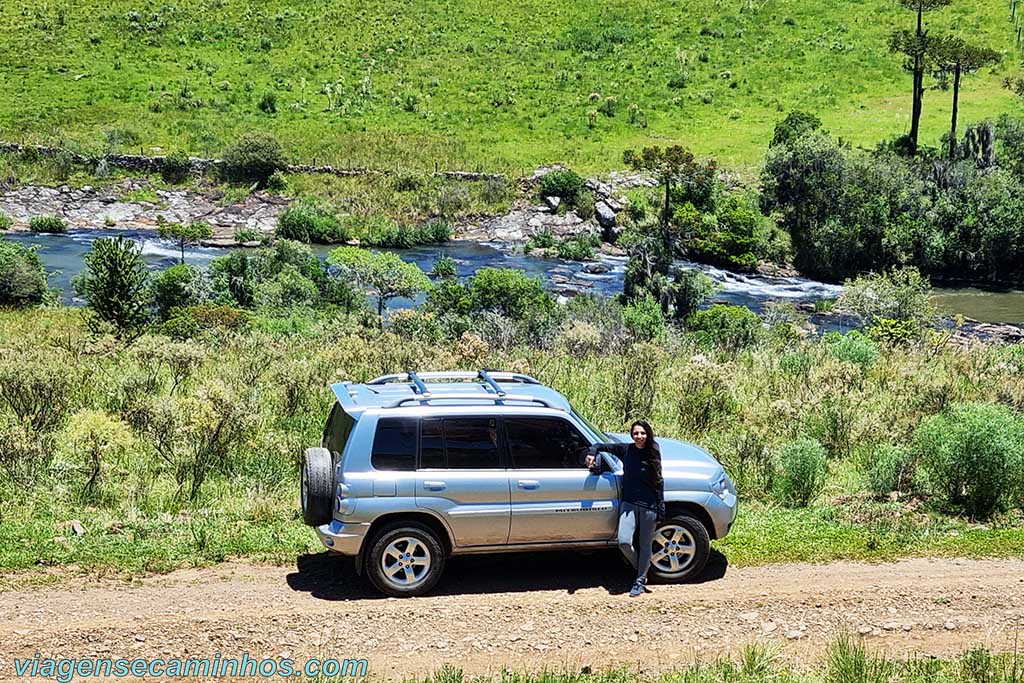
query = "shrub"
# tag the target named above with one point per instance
(542, 239)
(286, 289)
(311, 221)
(973, 456)
(445, 267)
(565, 184)
(40, 387)
(644, 319)
(176, 287)
(802, 466)
(383, 272)
(889, 468)
(737, 236)
(495, 190)
(115, 285)
(853, 347)
(509, 292)
(585, 206)
(452, 200)
(53, 224)
(580, 338)
(253, 159)
(95, 442)
(901, 294)
(5, 221)
(175, 168)
(191, 321)
(417, 325)
(243, 235)
(268, 103)
(579, 248)
(449, 297)
(796, 124)
(731, 327)
(278, 181)
(22, 277)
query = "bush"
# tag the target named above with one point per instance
(731, 327)
(5, 221)
(268, 103)
(452, 200)
(47, 224)
(888, 469)
(445, 267)
(644, 319)
(542, 239)
(972, 456)
(580, 338)
(253, 159)
(901, 294)
(115, 285)
(287, 289)
(175, 168)
(853, 347)
(176, 287)
(192, 321)
(736, 237)
(509, 292)
(495, 190)
(449, 297)
(796, 124)
(565, 184)
(22, 278)
(585, 205)
(579, 248)
(802, 466)
(311, 221)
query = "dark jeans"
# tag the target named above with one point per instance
(636, 518)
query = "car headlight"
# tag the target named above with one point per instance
(721, 486)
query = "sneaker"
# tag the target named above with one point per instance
(637, 589)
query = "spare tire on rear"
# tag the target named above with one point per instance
(317, 486)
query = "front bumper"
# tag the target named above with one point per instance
(722, 512)
(343, 538)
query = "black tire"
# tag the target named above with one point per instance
(317, 487)
(429, 547)
(697, 540)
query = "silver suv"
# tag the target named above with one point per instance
(416, 467)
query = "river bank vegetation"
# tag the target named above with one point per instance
(158, 430)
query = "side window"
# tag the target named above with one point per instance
(432, 443)
(339, 427)
(394, 444)
(544, 443)
(471, 443)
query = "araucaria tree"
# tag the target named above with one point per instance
(115, 283)
(956, 57)
(671, 166)
(914, 45)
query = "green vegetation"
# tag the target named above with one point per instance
(115, 284)
(22, 277)
(185, 235)
(385, 274)
(47, 224)
(253, 158)
(374, 88)
(846, 660)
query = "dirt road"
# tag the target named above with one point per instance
(526, 612)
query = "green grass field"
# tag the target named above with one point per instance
(498, 86)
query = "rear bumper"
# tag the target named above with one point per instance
(342, 538)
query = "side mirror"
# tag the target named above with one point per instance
(600, 465)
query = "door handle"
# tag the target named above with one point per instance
(529, 484)
(435, 485)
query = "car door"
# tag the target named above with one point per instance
(555, 497)
(462, 478)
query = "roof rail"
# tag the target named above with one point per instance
(495, 375)
(470, 397)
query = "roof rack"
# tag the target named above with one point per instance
(489, 376)
(470, 397)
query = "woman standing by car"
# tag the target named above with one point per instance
(643, 496)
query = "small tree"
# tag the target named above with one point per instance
(383, 272)
(671, 165)
(253, 159)
(914, 46)
(185, 235)
(116, 286)
(957, 57)
(22, 277)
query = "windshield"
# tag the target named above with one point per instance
(601, 436)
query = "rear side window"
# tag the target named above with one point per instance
(339, 427)
(460, 443)
(394, 444)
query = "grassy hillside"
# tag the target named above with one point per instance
(497, 85)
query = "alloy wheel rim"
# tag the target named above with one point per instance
(405, 561)
(673, 549)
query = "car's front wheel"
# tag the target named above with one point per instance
(681, 548)
(405, 560)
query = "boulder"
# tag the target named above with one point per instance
(553, 203)
(605, 215)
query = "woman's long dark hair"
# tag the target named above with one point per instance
(651, 445)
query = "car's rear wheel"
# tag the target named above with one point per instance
(681, 548)
(317, 486)
(405, 560)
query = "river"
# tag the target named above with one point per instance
(62, 256)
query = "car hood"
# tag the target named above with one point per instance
(681, 457)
